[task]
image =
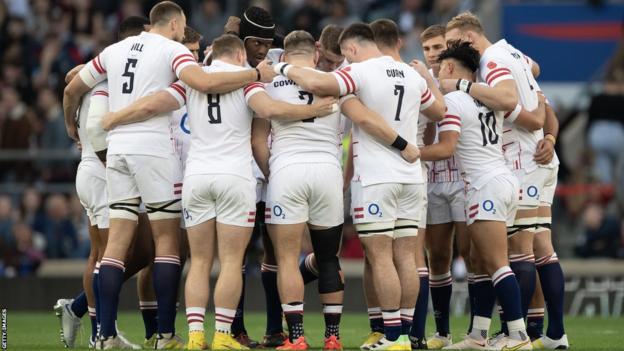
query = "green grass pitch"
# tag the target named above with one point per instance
(40, 331)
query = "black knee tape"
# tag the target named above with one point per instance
(326, 244)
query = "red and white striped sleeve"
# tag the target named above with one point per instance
(452, 117)
(95, 70)
(347, 79)
(180, 57)
(251, 89)
(178, 91)
(495, 72)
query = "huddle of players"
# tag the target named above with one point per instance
(304, 179)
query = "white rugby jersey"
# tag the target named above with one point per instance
(135, 67)
(398, 93)
(99, 91)
(181, 134)
(313, 140)
(479, 148)
(499, 62)
(220, 125)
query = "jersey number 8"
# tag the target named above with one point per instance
(214, 109)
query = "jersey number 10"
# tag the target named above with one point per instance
(488, 121)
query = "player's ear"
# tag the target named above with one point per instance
(400, 43)
(317, 54)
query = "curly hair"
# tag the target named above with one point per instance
(463, 52)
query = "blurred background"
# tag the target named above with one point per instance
(579, 45)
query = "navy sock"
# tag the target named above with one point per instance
(293, 312)
(471, 296)
(238, 325)
(508, 293)
(553, 284)
(96, 291)
(503, 321)
(111, 278)
(535, 323)
(392, 324)
(484, 296)
(422, 305)
(407, 316)
(375, 320)
(523, 266)
(271, 295)
(308, 270)
(79, 305)
(94, 324)
(149, 312)
(166, 277)
(441, 290)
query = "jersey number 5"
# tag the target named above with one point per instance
(214, 109)
(488, 121)
(303, 95)
(127, 87)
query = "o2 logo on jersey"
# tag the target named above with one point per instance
(278, 212)
(488, 206)
(532, 191)
(374, 210)
(183, 124)
(187, 215)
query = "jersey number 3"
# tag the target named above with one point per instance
(128, 86)
(304, 95)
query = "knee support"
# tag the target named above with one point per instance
(326, 244)
(164, 210)
(528, 224)
(125, 209)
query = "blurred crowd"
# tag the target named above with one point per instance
(40, 40)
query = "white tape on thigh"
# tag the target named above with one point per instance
(405, 227)
(125, 209)
(376, 228)
(525, 224)
(164, 210)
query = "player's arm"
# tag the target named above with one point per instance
(141, 110)
(318, 83)
(373, 124)
(437, 109)
(348, 167)
(535, 68)
(72, 73)
(441, 150)
(530, 120)
(430, 133)
(224, 82)
(545, 150)
(98, 107)
(260, 129)
(265, 107)
(91, 74)
(503, 96)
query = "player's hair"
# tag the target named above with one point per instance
(465, 21)
(358, 31)
(163, 12)
(386, 33)
(131, 26)
(226, 45)
(256, 22)
(329, 38)
(464, 53)
(437, 30)
(191, 35)
(299, 42)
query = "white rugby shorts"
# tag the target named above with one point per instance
(154, 179)
(446, 202)
(228, 198)
(91, 190)
(306, 192)
(497, 200)
(531, 186)
(550, 185)
(387, 202)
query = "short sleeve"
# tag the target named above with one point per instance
(95, 70)
(180, 57)
(511, 116)
(348, 79)
(496, 71)
(178, 91)
(251, 89)
(452, 117)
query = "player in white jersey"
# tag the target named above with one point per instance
(140, 161)
(508, 77)
(218, 192)
(383, 203)
(474, 133)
